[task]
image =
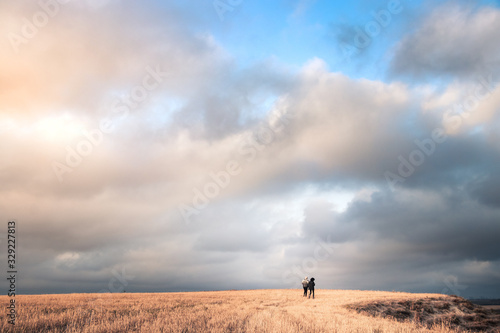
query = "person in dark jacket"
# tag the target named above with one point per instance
(311, 287)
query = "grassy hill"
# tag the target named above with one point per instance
(247, 311)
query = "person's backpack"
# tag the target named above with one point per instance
(305, 284)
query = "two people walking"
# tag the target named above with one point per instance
(306, 284)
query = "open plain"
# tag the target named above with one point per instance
(245, 311)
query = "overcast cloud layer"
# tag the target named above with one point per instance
(164, 146)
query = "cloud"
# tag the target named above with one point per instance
(303, 138)
(454, 41)
(323, 222)
(486, 189)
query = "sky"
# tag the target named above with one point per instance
(162, 146)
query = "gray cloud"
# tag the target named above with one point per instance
(455, 40)
(486, 189)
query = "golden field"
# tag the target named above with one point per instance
(216, 311)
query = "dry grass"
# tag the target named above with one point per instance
(453, 311)
(220, 311)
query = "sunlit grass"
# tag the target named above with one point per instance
(218, 311)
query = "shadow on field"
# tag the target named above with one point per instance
(453, 311)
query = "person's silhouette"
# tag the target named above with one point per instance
(311, 287)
